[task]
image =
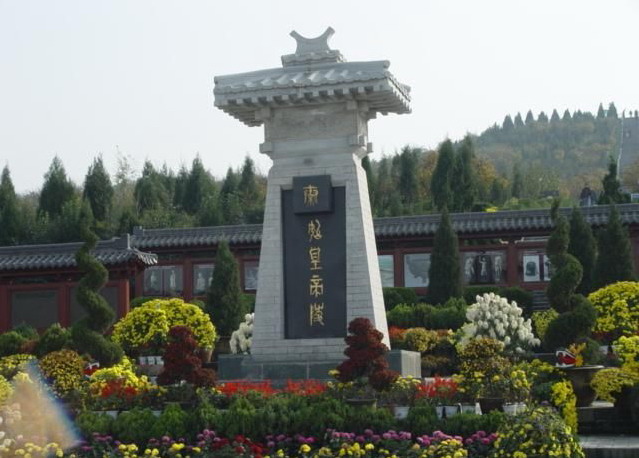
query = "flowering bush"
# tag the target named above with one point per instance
(617, 308)
(539, 432)
(242, 337)
(11, 365)
(65, 368)
(181, 363)
(396, 336)
(148, 325)
(483, 370)
(493, 316)
(563, 397)
(440, 389)
(611, 381)
(627, 348)
(6, 390)
(541, 320)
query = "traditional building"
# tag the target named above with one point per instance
(38, 282)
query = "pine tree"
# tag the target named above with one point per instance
(554, 118)
(583, 246)
(150, 190)
(444, 274)
(517, 189)
(612, 193)
(612, 111)
(601, 113)
(57, 190)
(230, 184)
(542, 118)
(440, 184)
(614, 261)
(179, 188)
(518, 121)
(408, 186)
(10, 218)
(248, 182)
(224, 300)
(464, 184)
(566, 116)
(508, 123)
(529, 118)
(98, 190)
(198, 186)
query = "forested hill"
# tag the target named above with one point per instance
(572, 148)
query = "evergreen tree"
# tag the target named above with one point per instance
(179, 189)
(248, 182)
(508, 123)
(529, 118)
(57, 190)
(567, 270)
(601, 113)
(566, 116)
(98, 190)
(518, 183)
(497, 192)
(554, 117)
(210, 213)
(444, 274)
(10, 218)
(612, 193)
(542, 118)
(370, 179)
(518, 121)
(583, 246)
(150, 190)
(384, 188)
(198, 186)
(224, 300)
(88, 333)
(408, 186)
(230, 184)
(614, 260)
(464, 184)
(612, 111)
(440, 184)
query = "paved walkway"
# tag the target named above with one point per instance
(610, 446)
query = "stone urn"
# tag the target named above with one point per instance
(580, 377)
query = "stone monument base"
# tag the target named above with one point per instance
(283, 367)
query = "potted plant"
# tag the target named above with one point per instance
(584, 357)
(517, 392)
(401, 396)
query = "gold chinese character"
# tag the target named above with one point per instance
(316, 286)
(316, 313)
(314, 230)
(315, 256)
(311, 194)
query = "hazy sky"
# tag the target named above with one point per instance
(79, 78)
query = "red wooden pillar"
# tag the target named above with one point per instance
(5, 308)
(512, 264)
(139, 283)
(123, 297)
(64, 305)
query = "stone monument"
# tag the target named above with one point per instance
(318, 264)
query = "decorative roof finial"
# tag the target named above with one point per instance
(312, 50)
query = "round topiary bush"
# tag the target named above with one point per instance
(617, 308)
(148, 325)
(420, 339)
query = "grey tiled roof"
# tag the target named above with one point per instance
(530, 221)
(52, 256)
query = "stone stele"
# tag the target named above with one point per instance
(315, 111)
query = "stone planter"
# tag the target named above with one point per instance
(469, 408)
(361, 402)
(514, 408)
(400, 412)
(580, 377)
(447, 411)
(490, 404)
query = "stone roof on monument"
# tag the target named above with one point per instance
(314, 74)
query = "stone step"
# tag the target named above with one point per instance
(599, 446)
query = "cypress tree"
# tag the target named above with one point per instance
(57, 190)
(601, 113)
(554, 117)
(566, 116)
(518, 121)
(248, 182)
(614, 262)
(10, 219)
(542, 118)
(150, 190)
(464, 184)
(179, 188)
(88, 333)
(612, 193)
(444, 274)
(408, 186)
(508, 123)
(440, 185)
(230, 184)
(583, 246)
(98, 190)
(384, 187)
(529, 118)
(517, 189)
(612, 111)
(224, 300)
(198, 185)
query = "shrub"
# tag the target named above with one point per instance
(422, 418)
(55, 338)
(540, 428)
(248, 301)
(609, 382)
(402, 315)
(180, 361)
(445, 317)
(6, 390)
(173, 422)
(149, 324)
(140, 300)
(26, 331)
(420, 339)
(135, 425)
(494, 317)
(92, 422)
(617, 308)
(471, 292)
(570, 326)
(11, 343)
(242, 337)
(523, 298)
(395, 296)
(66, 369)
(541, 320)
(224, 299)
(466, 424)
(366, 360)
